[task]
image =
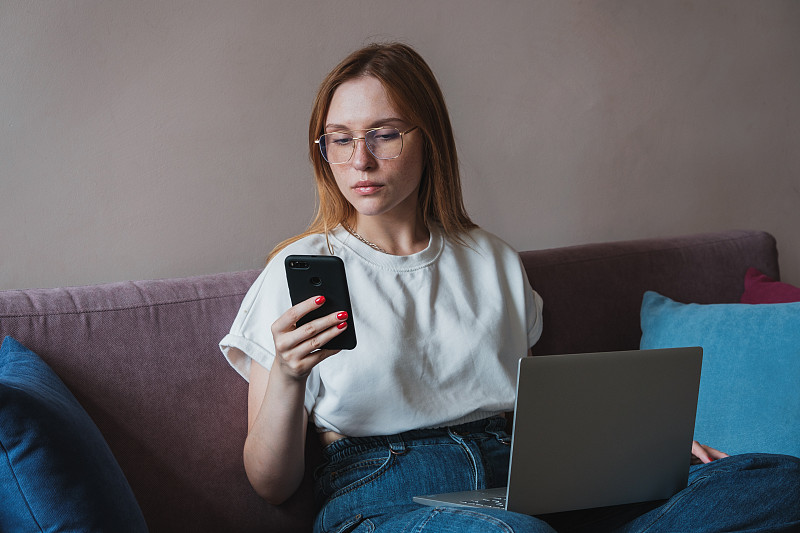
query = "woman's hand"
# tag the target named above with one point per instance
(705, 454)
(298, 350)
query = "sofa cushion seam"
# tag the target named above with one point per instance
(122, 308)
(637, 252)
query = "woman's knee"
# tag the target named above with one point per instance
(769, 480)
(751, 462)
(779, 466)
(447, 519)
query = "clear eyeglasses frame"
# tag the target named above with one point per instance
(338, 147)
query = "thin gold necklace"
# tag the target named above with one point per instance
(362, 239)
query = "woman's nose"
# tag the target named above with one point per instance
(362, 158)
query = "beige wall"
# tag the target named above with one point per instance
(161, 138)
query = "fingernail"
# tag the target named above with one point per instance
(320, 300)
(342, 325)
(342, 316)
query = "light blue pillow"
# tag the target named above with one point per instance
(750, 384)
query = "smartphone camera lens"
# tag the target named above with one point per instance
(315, 281)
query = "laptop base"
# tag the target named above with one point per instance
(486, 498)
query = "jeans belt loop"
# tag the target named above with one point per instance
(456, 435)
(397, 445)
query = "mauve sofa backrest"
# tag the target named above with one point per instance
(593, 293)
(142, 358)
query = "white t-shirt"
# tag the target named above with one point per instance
(439, 333)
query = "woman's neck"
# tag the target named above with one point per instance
(391, 236)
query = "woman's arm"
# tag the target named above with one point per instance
(274, 450)
(275, 444)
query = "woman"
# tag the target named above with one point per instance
(444, 310)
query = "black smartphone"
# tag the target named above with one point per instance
(314, 275)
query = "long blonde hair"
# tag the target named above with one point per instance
(413, 90)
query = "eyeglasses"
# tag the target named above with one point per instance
(384, 143)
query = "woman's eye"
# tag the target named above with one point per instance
(386, 136)
(342, 141)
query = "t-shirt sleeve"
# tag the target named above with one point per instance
(533, 309)
(533, 306)
(251, 333)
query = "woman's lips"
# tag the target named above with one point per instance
(366, 188)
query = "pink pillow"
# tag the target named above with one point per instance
(761, 289)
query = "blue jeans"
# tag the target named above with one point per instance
(367, 484)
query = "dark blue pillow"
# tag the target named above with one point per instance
(56, 471)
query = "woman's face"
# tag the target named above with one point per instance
(375, 187)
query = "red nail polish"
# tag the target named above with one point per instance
(342, 325)
(320, 300)
(342, 316)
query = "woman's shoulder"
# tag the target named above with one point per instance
(273, 276)
(314, 244)
(483, 240)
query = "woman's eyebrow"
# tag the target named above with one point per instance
(387, 121)
(376, 124)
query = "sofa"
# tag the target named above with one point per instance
(142, 359)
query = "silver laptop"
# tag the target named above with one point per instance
(592, 430)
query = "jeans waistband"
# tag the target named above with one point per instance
(349, 446)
